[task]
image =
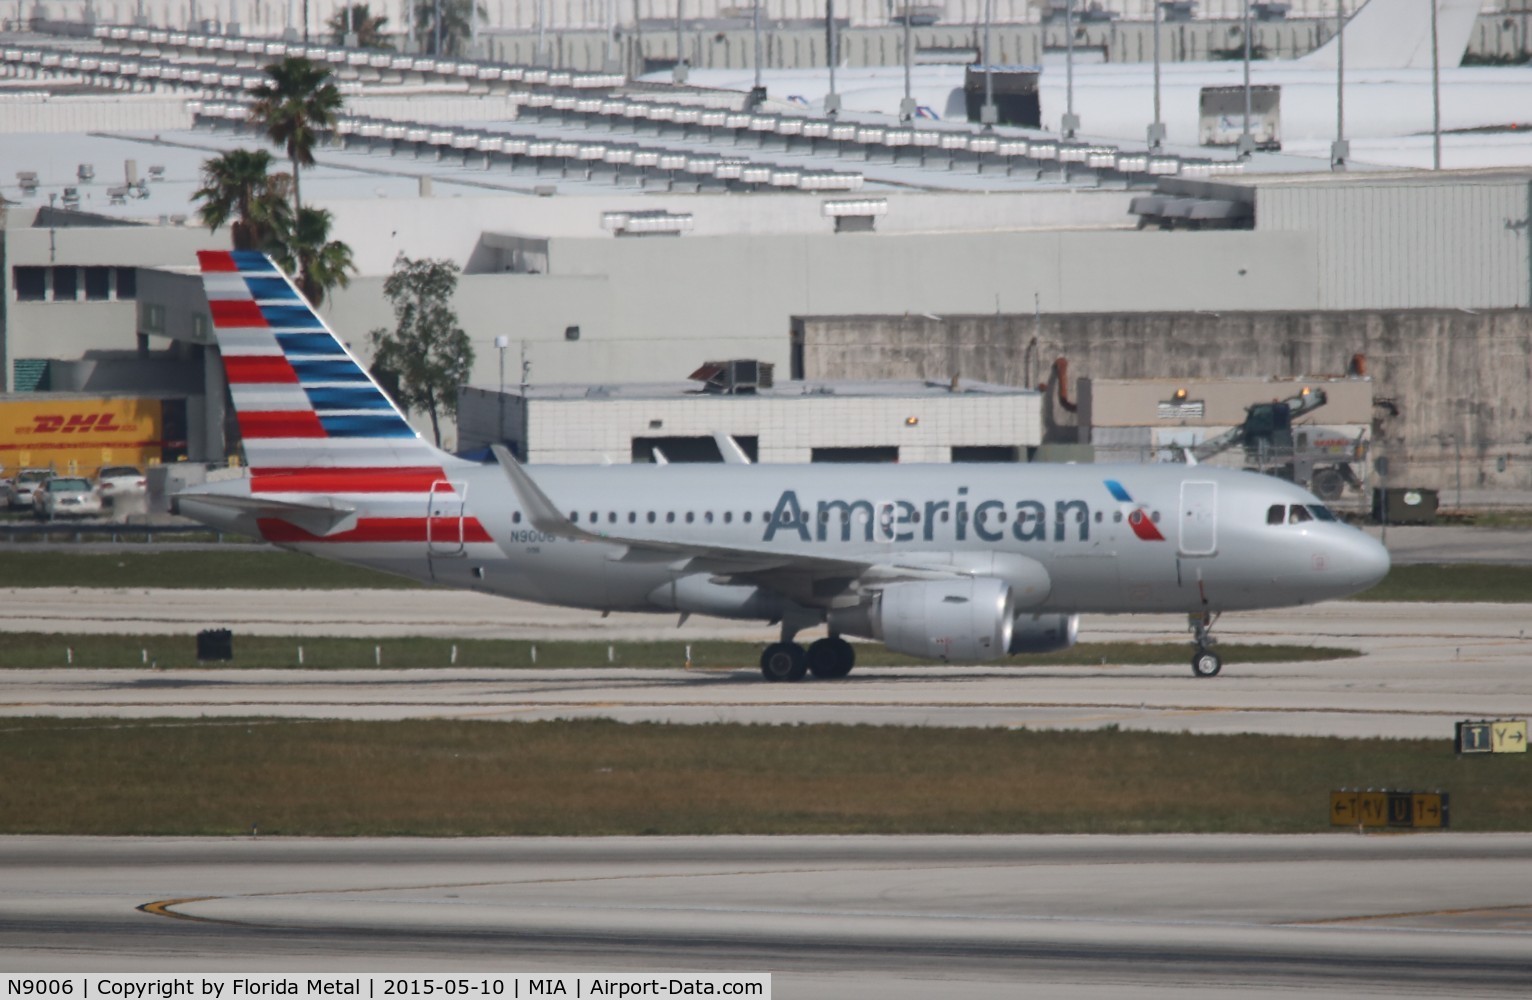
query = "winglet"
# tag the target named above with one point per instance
(541, 511)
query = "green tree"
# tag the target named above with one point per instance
(358, 19)
(298, 102)
(239, 185)
(456, 25)
(316, 262)
(427, 355)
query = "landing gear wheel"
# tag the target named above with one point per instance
(784, 661)
(1206, 663)
(831, 658)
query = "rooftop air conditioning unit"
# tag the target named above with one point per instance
(734, 378)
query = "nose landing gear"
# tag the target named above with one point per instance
(1205, 662)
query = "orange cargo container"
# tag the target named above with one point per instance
(79, 435)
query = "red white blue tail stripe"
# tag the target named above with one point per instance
(315, 424)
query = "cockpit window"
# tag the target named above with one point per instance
(1276, 513)
(1321, 512)
(1297, 514)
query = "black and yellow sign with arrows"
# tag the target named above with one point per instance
(1377, 809)
(1491, 736)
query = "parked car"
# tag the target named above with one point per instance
(65, 496)
(22, 486)
(120, 482)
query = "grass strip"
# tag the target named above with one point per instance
(1490, 583)
(41, 649)
(587, 778)
(274, 569)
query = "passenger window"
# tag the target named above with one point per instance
(1117, 517)
(708, 517)
(574, 517)
(747, 517)
(1276, 514)
(670, 517)
(516, 517)
(914, 517)
(1155, 517)
(945, 517)
(611, 517)
(632, 517)
(690, 517)
(728, 517)
(1098, 517)
(651, 517)
(1297, 514)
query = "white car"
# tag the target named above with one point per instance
(65, 496)
(22, 486)
(120, 482)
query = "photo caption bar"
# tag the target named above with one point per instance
(475, 986)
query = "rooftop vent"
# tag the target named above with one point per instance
(734, 378)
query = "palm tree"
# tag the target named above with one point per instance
(298, 102)
(239, 185)
(456, 24)
(316, 262)
(357, 19)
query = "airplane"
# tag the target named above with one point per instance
(962, 563)
(1387, 85)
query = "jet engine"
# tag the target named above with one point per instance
(966, 620)
(1043, 633)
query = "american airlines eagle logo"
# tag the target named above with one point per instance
(1138, 519)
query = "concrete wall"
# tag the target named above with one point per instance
(1445, 381)
(789, 427)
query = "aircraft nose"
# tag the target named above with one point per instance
(1364, 561)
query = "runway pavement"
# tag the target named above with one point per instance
(859, 917)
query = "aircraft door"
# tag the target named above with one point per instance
(1199, 519)
(444, 519)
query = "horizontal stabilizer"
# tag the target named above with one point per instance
(315, 518)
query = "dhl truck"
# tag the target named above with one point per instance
(77, 434)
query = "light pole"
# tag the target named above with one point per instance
(987, 114)
(1340, 152)
(1157, 129)
(832, 99)
(907, 106)
(1246, 140)
(1436, 96)
(502, 342)
(678, 72)
(1071, 123)
(755, 30)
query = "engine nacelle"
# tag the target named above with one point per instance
(1043, 633)
(967, 620)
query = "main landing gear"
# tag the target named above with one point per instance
(827, 659)
(1205, 662)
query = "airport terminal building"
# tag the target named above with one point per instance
(615, 238)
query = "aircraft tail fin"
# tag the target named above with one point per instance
(1396, 34)
(303, 401)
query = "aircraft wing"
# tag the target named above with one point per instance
(789, 572)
